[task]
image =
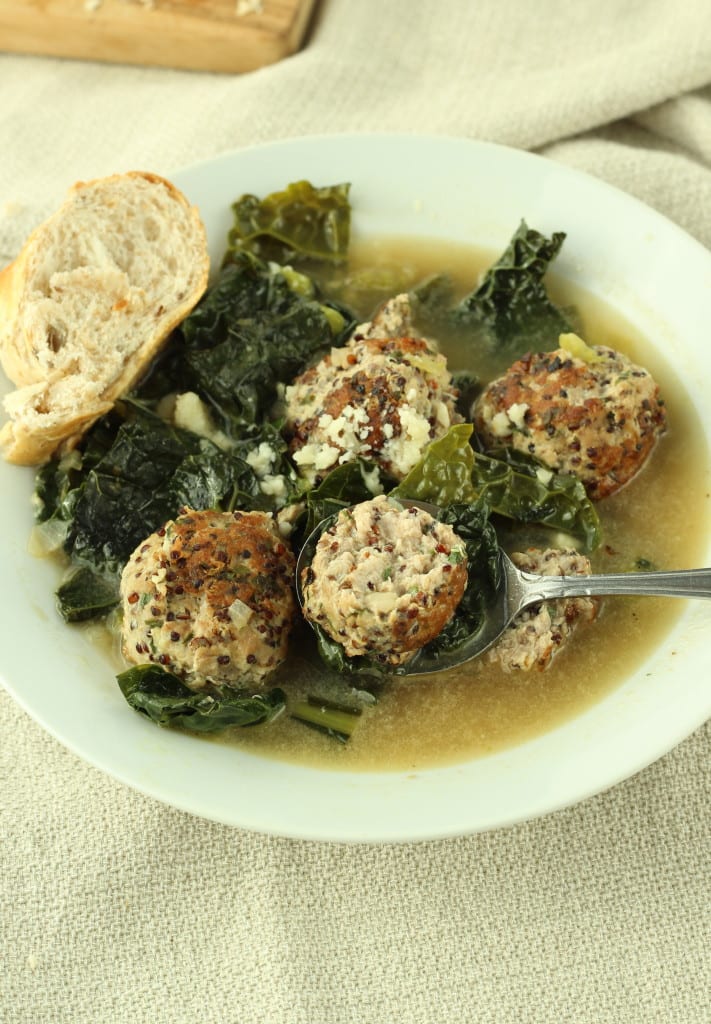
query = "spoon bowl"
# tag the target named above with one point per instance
(518, 590)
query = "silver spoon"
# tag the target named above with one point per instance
(519, 590)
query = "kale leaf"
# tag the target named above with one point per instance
(521, 488)
(346, 485)
(510, 311)
(86, 594)
(335, 658)
(250, 333)
(471, 524)
(299, 222)
(55, 488)
(512, 302)
(514, 485)
(113, 495)
(444, 473)
(148, 474)
(166, 700)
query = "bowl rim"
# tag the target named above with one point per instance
(160, 753)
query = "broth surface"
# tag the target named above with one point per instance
(478, 709)
(660, 516)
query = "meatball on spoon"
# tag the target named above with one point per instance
(519, 590)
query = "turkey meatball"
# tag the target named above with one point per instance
(597, 417)
(538, 633)
(392, 319)
(383, 398)
(385, 580)
(210, 597)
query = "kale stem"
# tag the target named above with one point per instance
(325, 716)
(331, 705)
(231, 504)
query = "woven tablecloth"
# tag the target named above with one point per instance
(115, 908)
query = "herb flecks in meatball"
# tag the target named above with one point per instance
(210, 597)
(385, 580)
(597, 418)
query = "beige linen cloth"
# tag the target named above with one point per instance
(115, 908)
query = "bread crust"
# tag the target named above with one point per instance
(39, 425)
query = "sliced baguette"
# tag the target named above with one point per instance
(88, 303)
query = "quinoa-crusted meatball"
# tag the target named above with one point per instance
(392, 319)
(385, 580)
(597, 419)
(382, 398)
(210, 596)
(539, 632)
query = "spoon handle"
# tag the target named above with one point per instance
(681, 583)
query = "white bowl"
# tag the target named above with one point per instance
(464, 191)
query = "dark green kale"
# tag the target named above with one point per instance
(513, 485)
(510, 311)
(166, 700)
(346, 485)
(443, 475)
(300, 222)
(110, 497)
(148, 474)
(336, 720)
(512, 301)
(86, 594)
(471, 524)
(55, 487)
(251, 333)
(521, 488)
(335, 658)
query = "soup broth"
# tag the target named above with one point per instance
(660, 517)
(478, 709)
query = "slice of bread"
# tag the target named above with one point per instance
(88, 303)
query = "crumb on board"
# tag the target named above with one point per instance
(244, 7)
(91, 6)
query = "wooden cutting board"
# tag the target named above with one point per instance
(202, 35)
